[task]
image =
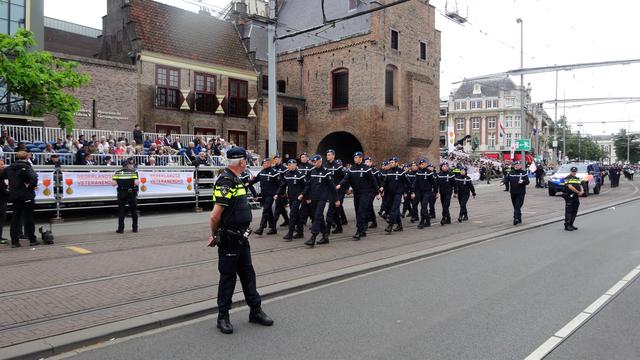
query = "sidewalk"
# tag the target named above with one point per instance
(54, 290)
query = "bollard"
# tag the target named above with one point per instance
(57, 176)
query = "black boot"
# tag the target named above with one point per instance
(459, 219)
(465, 217)
(298, 235)
(285, 223)
(398, 228)
(289, 236)
(443, 221)
(356, 236)
(573, 227)
(272, 232)
(389, 228)
(312, 240)
(363, 234)
(421, 224)
(427, 222)
(567, 227)
(374, 225)
(338, 229)
(259, 231)
(224, 324)
(324, 240)
(258, 316)
(34, 243)
(448, 220)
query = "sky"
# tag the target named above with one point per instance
(556, 32)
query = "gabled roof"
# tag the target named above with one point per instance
(488, 88)
(172, 31)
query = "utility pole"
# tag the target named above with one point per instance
(523, 120)
(555, 120)
(271, 39)
(564, 129)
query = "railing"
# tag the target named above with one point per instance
(102, 159)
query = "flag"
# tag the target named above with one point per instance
(451, 139)
(503, 132)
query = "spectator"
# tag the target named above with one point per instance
(177, 144)
(147, 142)
(202, 159)
(53, 160)
(123, 137)
(10, 146)
(191, 151)
(58, 145)
(120, 149)
(151, 161)
(94, 140)
(4, 138)
(89, 160)
(108, 161)
(21, 147)
(81, 140)
(103, 146)
(167, 140)
(49, 149)
(81, 157)
(130, 150)
(137, 134)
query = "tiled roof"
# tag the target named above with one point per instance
(169, 30)
(489, 88)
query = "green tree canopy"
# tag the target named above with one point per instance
(620, 146)
(39, 78)
(578, 146)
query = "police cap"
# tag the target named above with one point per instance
(574, 169)
(339, 162)
(422, 161)
(331, 151)
(394, 158)
(292, 161)
(385, 163)
(236, 153)
(358, 154)
(316, 157)
(266, 160)
(304, 154)
(276, 156)
(367, 158)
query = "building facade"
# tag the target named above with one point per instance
(370, 84)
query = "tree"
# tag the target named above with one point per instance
(39, 78)
(620, 146)
(578, 146)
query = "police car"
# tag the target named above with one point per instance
(585, 173)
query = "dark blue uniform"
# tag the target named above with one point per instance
(446, 184)
(245, 177)
(396, 184)
(269, 186)
(293, 184)
(319, 189)
(304, 168)
(409, 205)
(425, 188)
(281, 202)
(518, 191)
(337, 214)
(572, 201)
(365, 185)
(464, 188)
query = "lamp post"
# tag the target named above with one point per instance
(523, 124)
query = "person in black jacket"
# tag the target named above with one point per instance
(319, 190)
(464, 188)
(446, 184)
(4, 196)
(396, 184)
(281, 200)
(22, 184)
(432, 201)
(304, 167)
(424, 187)
(364, 184)
(518, 181)
(337, 173)
(293, 184)
(376, 173)
(269, 179)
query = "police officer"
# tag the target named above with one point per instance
(246, 179)
(269, 179)
(281, 202)
(413, 171)
(432, 200)
(396, 185)
(385, 205)
(371, 218)
(464, 187)
(230, 220)
(304, 167)
(364, 185)
(127, 181)
(446, 183)
(518, 181)
(337, 173)
(319, 190)
(573, 191)
(293, 183)
(506, 171)
(22, 184)
(424, 188)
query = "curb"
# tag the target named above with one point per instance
(58, 344)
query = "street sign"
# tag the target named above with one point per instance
(523, 145)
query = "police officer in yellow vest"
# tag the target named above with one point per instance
(230, 220)
(573, 186)
(127, 181)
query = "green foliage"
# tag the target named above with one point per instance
(578, 146)
(40, 78)
(620, 146)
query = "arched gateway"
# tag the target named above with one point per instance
(343, 143)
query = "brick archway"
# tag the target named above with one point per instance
(343, 143)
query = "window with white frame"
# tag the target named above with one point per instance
(476, 104)
(508, 102)
(491, 104)
(460, 124)
(508, 121)
(491, 140)
(491, 122)
(517, 136)
(509, 138)
(517, 123)
(475, 123)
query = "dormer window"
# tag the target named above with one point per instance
(477, 89)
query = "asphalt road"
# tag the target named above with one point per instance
(497, 300)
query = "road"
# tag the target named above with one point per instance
(499, 299)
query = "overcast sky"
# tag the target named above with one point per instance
(555, 32)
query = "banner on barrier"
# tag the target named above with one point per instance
(98, 184)
(45, 190)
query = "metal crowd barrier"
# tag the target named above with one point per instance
(101, 159)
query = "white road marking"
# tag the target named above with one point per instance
(555, 340)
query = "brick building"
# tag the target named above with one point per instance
(370, 83)
(193, 72)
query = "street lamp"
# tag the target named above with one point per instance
(523, 124)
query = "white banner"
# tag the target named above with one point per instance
(451, 139)
(45, 190)
(87, 185)
(98, 184)
(170, 182)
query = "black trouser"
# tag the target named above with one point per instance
(295, 221)
(281, 208)
(317, 210)
(425, 199)
(414, 207)
(386, 204)
(539, 181)
(394, 211)
(363, 203)
(335, 215)
(267, 212)
(432, 205)
(572, 203)
(517, 200)
(506, 183)
(407, 204)
(445, 201)
(3, 215)
(463, 198)
(304, 212)
(235, 259)
(22, 215)
(124, 198)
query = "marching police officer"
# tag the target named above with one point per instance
(246, 178)
(293, 183)
(411, 204)
(304, 167)
(506, 171)
(464, 187)
(22, 184)
(337, 173)
(424, 187)
(269, 179)
(385, 205)
(446, 184)
(573, 191)
(518, 181)
(364, 184)
(376, 173)
(319, 190)
(432, 200)
(396, 184)
(127, 181)
(230, 220)
(281, 201)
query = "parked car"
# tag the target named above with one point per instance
(588, 173)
